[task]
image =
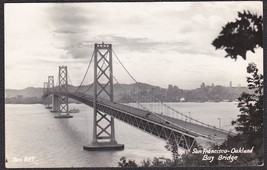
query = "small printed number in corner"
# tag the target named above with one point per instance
(24, 159)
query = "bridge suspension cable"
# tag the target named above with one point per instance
(87, 69)
(57, 82)
(147, 96)
(99, 72)
(160, 118)
(89, 64)
(162, 103)
(70, 83)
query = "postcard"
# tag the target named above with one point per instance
(133, 84)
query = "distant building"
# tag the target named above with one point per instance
(182, 99)
(156, 91)
(172, 93)
(230, 83)
(172, 90)
(202, 85)
(19, 96)
(175, 88)
(169, 91)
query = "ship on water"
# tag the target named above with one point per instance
(74, 110)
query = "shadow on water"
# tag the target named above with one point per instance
(70, 130)
(76, 137)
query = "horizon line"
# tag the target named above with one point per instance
(135, 83)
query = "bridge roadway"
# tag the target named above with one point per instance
(188, 130)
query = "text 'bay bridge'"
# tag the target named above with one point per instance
(161, 120)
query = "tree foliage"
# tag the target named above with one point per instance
(245, 34)
(240, 141)
(124, 163)
(173, 148)
(249, 126)
(250, 122)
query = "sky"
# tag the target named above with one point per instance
(160, 43)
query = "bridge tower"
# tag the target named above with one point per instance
(45, 100)
(45, 87)
(103, 125)
(49, 86)
(54, 98)
(63, 101)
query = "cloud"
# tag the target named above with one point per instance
(77, 49)
(70, 24)
(67, 15)
(75, 24)
(165, 38)
(77, 52)
(145, 45)
(194, 51)
(133, 44)
(82, 49)
(70, 31)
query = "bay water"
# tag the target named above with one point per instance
(35, 139)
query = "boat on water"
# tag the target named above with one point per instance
(74, 110)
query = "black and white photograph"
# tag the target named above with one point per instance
(133, 84)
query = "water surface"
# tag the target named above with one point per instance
(35, 139)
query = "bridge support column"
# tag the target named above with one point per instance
(50, 87)
(54, 99)
(103, 125)
(63, 101)
(55, 106)
(46, 100)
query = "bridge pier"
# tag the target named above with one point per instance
(55, 106)
(103, 146)
(103, 125)
(54, 98)
(46, 100)
(63, 102)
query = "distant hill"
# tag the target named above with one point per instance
(28, 92)
(130, 92)
(37, 91)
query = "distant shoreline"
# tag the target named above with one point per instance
(127, 93)
(131, 103)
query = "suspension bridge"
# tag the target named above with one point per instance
(161, 121)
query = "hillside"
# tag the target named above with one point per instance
(28, 92)
(129, 92)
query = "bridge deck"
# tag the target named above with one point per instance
(187, 127)
(190, 128)
(185, 134)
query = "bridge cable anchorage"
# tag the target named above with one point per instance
(89, 64)
(165, 105)
(163, 120)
